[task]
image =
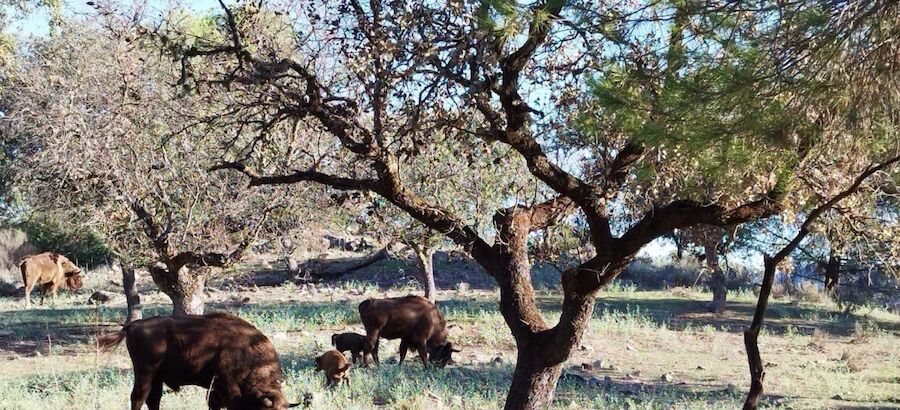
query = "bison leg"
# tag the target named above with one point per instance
(356, 354)
(145, 380)
(155, 395)
(423, 354)
(53, 288)
(370, 346)
(28, 288)
(403, 348)
(44, 288)
(141, 391)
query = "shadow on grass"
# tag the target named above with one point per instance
(73, 325)
(678, 314)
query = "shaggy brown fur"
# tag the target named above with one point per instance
(335, 366)
(354, 342)
(218, 351)
(412, 319)
(51, 271)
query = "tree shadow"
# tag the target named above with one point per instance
(680, 314)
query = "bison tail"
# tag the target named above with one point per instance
(109, 341)
(334, 340)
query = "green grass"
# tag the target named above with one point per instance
(815, 354)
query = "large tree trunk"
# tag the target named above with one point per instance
(425, 260)
(185, 288)
(132, 297)
(533, 383)
(716, 278)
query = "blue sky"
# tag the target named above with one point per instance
(36, 23)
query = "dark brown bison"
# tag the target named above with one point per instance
(219, 351)
(354, 342)
(335, 366)
(412, 319)
(51, 271)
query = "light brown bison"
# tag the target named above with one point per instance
(50, 271)
(335, 366)
(412, 319)
(218, 351)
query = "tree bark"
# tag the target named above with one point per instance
(132, 297)
(716, 278)
(425, 260)
(184, 287)
(533, 382)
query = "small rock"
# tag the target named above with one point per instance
(701, 368)
(497, 360)
(587, 366)
(629, 376)
(731, 387)
(837, 397)
(668, 377)
(100, 297)
(600, 364)
(379, 401)
(630, 348)
(37, 353)
(585, 348)
(462, 287)
(13, 357)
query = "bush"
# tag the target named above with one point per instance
(85, 248)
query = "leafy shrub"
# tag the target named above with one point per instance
(85, 248)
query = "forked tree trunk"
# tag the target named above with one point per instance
(716, 279)
(425, 260)
(132, 297)
(542, 350)
(185, 288)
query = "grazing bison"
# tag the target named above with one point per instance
(218, 351)
(335, 366)
(50, 270)
(412, 319)
(354, 342)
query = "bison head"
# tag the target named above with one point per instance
(72, 272)
(440, 355)
(271, 399)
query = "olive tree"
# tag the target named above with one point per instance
(102, 145)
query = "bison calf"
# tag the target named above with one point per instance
(354, 342)
(218, 351)
(50, 271)
(335, 366)
(412, 319)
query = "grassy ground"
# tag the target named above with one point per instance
(817, 358)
